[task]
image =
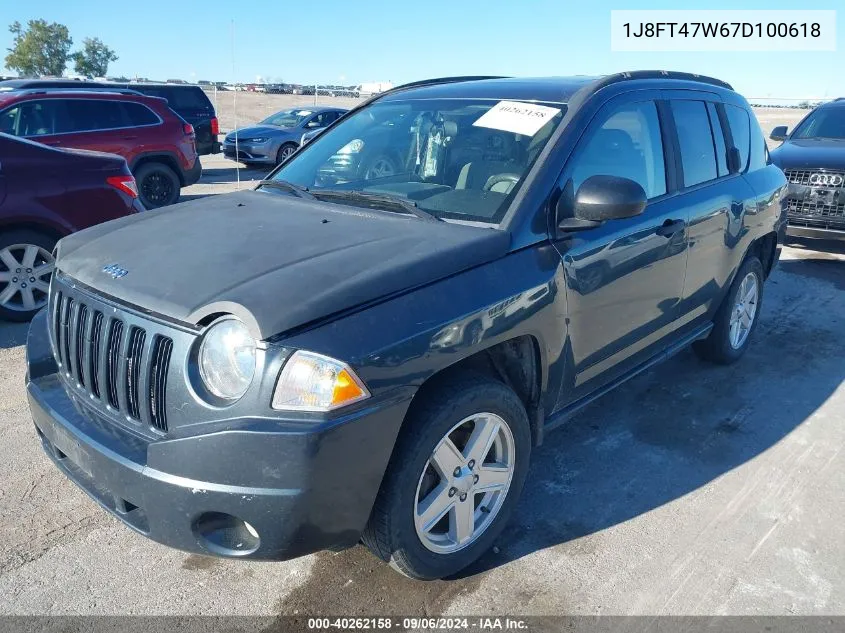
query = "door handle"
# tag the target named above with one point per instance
(670, 227)
(129, 138)
(54, 143)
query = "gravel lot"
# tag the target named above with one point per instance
(694, 489)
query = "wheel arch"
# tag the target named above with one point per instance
(515, 362)
(164, 158)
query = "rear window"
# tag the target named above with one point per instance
(741, 132)
(178, 97)
(698, 156)
(138, 114)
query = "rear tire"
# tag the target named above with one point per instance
(25, 256)
(732, 331)
(158, 185)
(462, 411)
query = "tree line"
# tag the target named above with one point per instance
(44, 48)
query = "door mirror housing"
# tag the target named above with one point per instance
(779, 133)
(602, 198)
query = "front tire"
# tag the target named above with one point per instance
(285, 151)
(158, 185)
(737, 317)
(26, 265)
(453, 480)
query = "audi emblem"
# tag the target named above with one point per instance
(827, 180)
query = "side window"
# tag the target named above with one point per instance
(628, 145)
(39, 118)
(741, 132)
(138, 114)
(759, 150)
(9, 120)
(87, 115)
(718, 140)
(696, 141)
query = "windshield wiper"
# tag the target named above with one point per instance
(284, 185)
(382, 201)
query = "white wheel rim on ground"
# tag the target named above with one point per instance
(25, 271)
(744, 311)
(464, 483)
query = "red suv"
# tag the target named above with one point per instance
(158, 145)
(45, 194)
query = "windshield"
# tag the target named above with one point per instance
(823, 123)
(287, 118)
(458, 159)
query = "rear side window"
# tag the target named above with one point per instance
(178, 98)
(138, 114)
(759, 150)
(87, 115)
(741, 132)
(698, 157)
(718, 140)
(629, 145)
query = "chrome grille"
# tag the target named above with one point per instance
(802, 176)
(116, 363)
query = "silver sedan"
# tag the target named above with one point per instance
(274, 139)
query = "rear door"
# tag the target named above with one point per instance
(624, 278)
(715, 196)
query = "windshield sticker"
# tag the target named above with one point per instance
(516, 117)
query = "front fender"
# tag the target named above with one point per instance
(407, 339)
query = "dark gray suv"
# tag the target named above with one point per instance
(328, 359)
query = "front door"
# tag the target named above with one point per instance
(625, 278)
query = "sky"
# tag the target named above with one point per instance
(349, 42)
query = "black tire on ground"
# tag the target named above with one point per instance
(158, 185)
(391, 533)
(717, 347)
(14, 238)
(287, 147)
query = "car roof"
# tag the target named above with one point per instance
(836, 103)
(546, 89)
(17, 84)
(312, 109)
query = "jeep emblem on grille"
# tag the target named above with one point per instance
(827, 180)
(114, 271)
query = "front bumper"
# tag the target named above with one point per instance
(246, 153)
(301, 489)
(815, 232)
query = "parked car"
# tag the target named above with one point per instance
(813, 157)
(188, 101)
(158, 145)
(277, 137)
(45, 194)
(311, 364)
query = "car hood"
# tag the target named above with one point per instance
(810, 153)
(260, 130)
(275, 261)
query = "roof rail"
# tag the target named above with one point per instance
(48, 89)
(659, 74)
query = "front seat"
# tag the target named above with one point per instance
(496, 176)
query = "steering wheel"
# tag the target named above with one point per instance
(498, 179)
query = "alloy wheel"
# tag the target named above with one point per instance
(464, 483)
(157, 188)
(25, 271)
(744, 310)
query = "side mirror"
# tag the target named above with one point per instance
(779, 133)
(602, 198)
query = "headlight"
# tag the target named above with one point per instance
(227, 359)
(352, 147)
(312, 382)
